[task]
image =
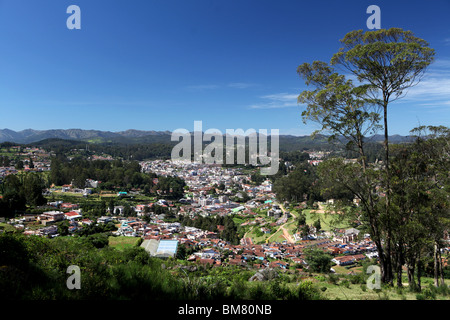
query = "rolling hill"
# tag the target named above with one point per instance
(130, 137)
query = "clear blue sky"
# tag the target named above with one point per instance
(161, 64)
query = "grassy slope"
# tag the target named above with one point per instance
(123, 242)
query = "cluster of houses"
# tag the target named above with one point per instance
(209, 248)
(216, 252)
(213, 251)
(4, 171)
(316, 157)
(211, 189)
(40, 158)
(200, 177)
(49, 219)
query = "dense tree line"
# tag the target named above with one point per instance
(139, 152)
(19, 192)
(420, 185)
(296, 186)
(171, 187)
(229, 233)
(4, 161)
(303, 184)
(126, 151)
(294, 157)
(112, 174)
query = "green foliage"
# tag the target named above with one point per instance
(113, 174)
(386, 63)
(390, 59)
(20, 192)
(98, 240)
(357, 278)
(171, 187)
(318, 261)
(297, 184)
(340, 107)
(345, 283)
(301, 219)
(307, 291)
(35, 268)
(4, 161)
(230, 232)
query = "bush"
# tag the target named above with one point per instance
(98, 240)
(278, 291)
(345, 283)
(333, 279)
(357, 279)
(257, 292)
(320, 278)
(442, 290)
(307, 291)
(420, 296)
(318, 260)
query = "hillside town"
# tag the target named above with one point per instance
(210, 191)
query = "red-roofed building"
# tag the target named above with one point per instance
(72, 215)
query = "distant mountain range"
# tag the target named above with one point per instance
(95, 136)
(140, 136)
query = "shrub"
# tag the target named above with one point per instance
(420, 296)
(332, 278)
(345, 283)
(307, 291)
(357, 279)
(320, 278)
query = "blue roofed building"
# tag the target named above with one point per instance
(161, 248)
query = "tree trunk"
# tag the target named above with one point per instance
(399, 265)
(438, 271)
(410, 272)
(436, 265)
(388, 276)
(419, 272)
(441, 270)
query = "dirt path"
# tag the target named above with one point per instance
(249, 231)
(286, 233)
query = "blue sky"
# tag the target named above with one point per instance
(162, 64)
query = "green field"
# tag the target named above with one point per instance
(123, 242)
(347, 291)
(326, 219)
(7, 152)
(7, 227)
(278, 237)
(258, 239)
